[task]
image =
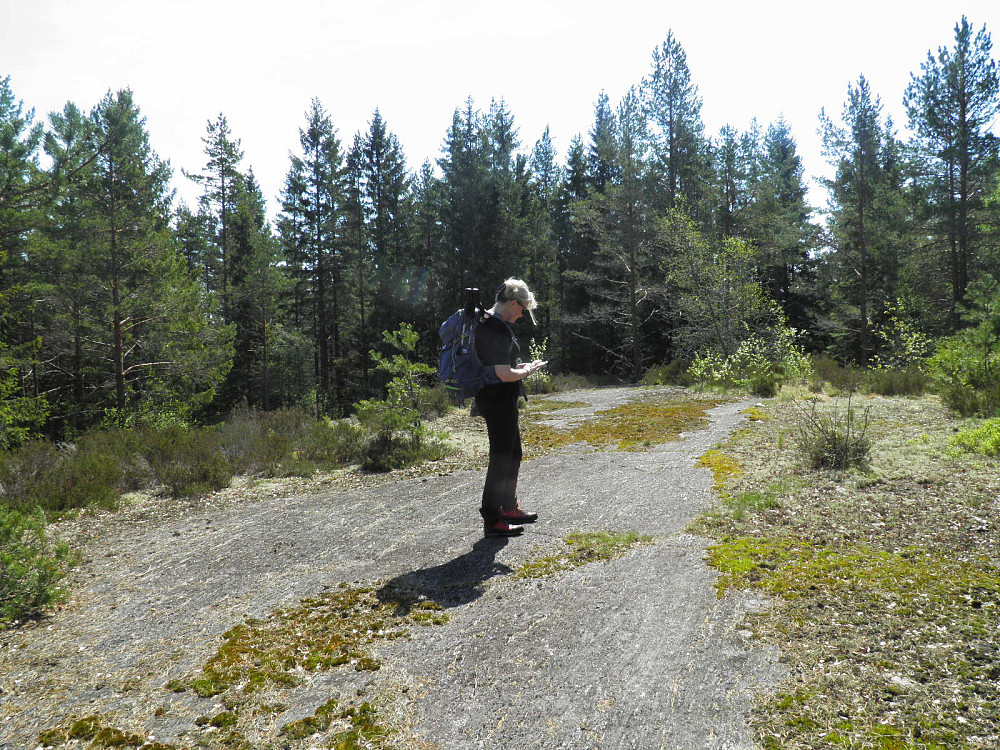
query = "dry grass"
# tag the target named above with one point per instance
(886, 578)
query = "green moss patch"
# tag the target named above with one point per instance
(632, 426)
(885, 581)
(892, 649)
(93, 731)
(724, 468)
(327, 631)
(580, 548)
(549, 404)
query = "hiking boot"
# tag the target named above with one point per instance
(501, 528)
(518, 515)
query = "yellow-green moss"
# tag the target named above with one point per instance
(323, 632)
(632, 426)
(98, 735)
(934, 613)
(580, 548)
(724, 469)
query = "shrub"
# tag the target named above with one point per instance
(434, 402)
(755, 361)
(832, 441)
(844, 378)
(541, 381)
(395, 435)
(259, 443)
(336, 443)
(393, 438)
(764, 384)
(968, 401)
(984, 439)
(674, 372)
(908, 382)
(60, 478)
(186, 461)
(966, 366)
(30, 565)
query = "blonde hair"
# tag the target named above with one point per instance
(516, 289)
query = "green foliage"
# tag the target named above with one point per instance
(890, 382)
(833, 441)
(30, 565)
(541, 381)
(901, 345)
(843, 378)
(760, 363)
(397, 434)
(719, 296)
(581, 548)
(20, 415)
(60, 478)
(983, 439)
(185, 461)
(966, 365)
(674, 372)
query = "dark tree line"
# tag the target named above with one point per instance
(115, 302)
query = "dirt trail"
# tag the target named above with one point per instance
(636, 653)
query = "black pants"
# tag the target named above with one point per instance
(500, 490)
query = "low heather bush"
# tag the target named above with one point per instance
(186, 461)
(908, 382)
(674, 372)
(835, 441)
(59, 478)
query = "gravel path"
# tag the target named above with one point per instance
(636, 653)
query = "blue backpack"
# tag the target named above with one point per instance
(460, 370)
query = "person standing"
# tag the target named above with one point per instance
(497, 403)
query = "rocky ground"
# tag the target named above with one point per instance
(637, 652)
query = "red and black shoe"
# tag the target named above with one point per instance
(518, 515)
(501, 528)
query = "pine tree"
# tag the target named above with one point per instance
(951, 106)
(61, 271)
(21, 189)
(673, 106)
(150, 335)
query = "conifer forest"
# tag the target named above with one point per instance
(648, 242)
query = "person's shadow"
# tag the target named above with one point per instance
(450, 584)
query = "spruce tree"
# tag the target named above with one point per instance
(778, 224)
(385, 199)
(623, 282)
(220, 183)
(867, 221)
(257, 289)
(312, 228)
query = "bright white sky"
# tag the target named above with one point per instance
(260, 63)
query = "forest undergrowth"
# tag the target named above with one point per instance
(884, 577)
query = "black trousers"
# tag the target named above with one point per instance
(500, 489)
